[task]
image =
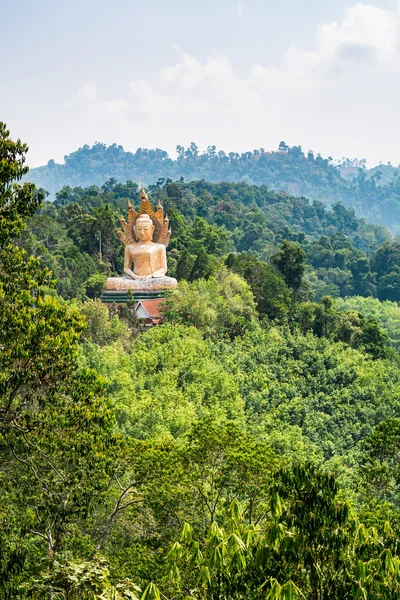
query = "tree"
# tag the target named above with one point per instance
(95, 285)
(224, 463)
(308, 544)
(185, 265)
(85, 580)
(325, 320)
(290, 261)
(202, 268)
(387, 314)
(62, 469)
(59, 451)
(386, 263)
(380, 467)
(220, 306)
(174, 192)
(373, 338)
(193, 479)
(283, 147)
(38, 335)
(271, 293)
(101, 328)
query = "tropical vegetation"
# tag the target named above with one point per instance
(246, 448)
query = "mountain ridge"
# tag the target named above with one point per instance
(374, 194)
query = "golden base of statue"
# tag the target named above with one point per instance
(146, 284)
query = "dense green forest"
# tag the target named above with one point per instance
(373, 194)
(246, 448)
(344, 255)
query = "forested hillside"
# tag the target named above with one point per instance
(245, 448)
(374, 195)
(344, 255)
(384, 174)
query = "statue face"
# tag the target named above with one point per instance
(144, 229)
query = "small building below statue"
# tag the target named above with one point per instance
(148, 312)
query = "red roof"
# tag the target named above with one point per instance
(151, 307)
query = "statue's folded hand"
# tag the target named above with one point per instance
(159, 273)
(132, 275)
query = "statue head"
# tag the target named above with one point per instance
(147, 225)
(144, 228)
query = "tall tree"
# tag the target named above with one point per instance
(202, 268)
(58, 449)
(38, 335)
(290, 261)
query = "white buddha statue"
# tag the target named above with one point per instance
(146, 236)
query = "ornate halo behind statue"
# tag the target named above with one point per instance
(162, 232)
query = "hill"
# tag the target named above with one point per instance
(345, 255)
(373, 194)
(384, 174)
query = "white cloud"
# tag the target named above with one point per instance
(338, 96)
(240, 7)
(96, 110)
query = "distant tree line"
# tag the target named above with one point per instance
(374, 194)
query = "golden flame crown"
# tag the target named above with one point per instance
(162, 232)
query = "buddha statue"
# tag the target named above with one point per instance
(146, 235)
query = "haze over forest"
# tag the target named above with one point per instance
(372, 193)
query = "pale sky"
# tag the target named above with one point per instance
(240, 74)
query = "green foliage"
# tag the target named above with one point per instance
(385, 261)
(308, 545)
(194, 481)
(372, 194)
(16, 201)
(84, 581)
(304, 393)
(221, 306)
(95, 285)
(63, 468)
(381, 461)
(184, 266)
(342, 266)
(202, 268)
(333, 393)
(166, 382)
(325, 320)
(290, 262)
(102, 329)
(38, 335)
(270, 292)
(229, 464)
(386, 313)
